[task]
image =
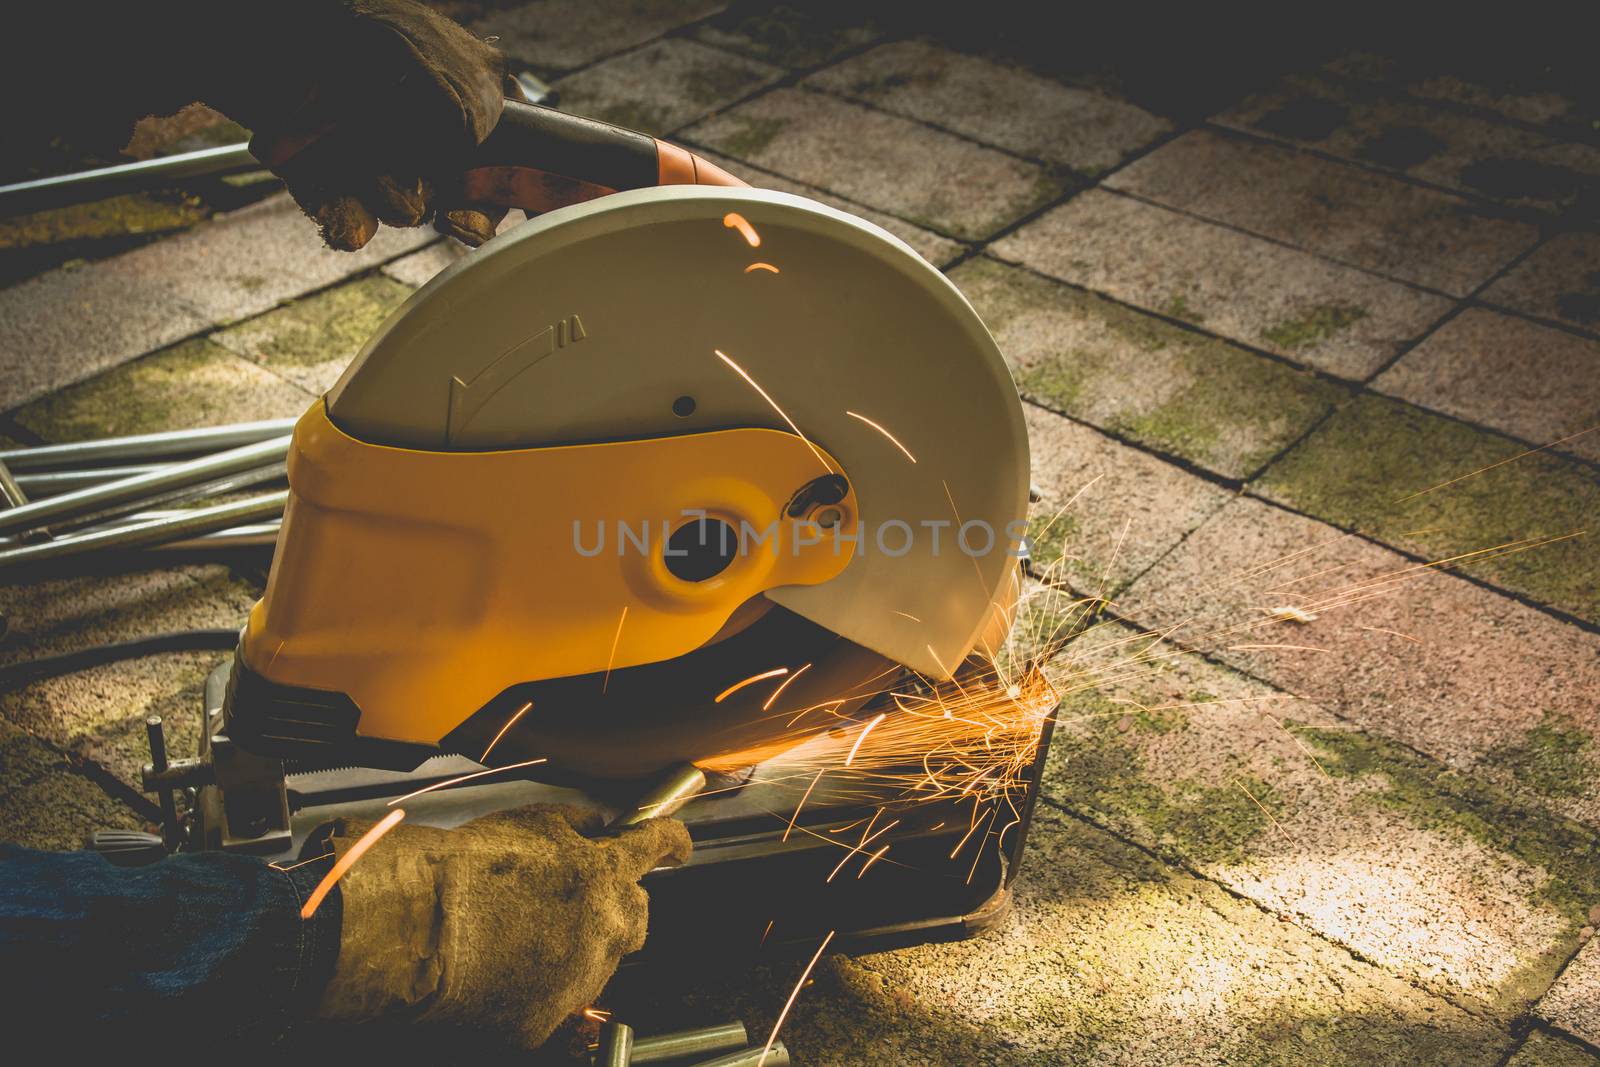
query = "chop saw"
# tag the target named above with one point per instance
(680, 481)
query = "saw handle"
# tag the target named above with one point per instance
(539, 159)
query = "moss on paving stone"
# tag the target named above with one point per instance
(117, 216)
(1103, 772)
(1552, 1050)
(790, 36)
(1359, 469)
(1566, 851)
(753, 135)
(193, 383)
(1315, 327)
(1222, 407)
(1555, 759)
(332, 324)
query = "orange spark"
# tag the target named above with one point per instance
(615, 639)
(1297, 648)
(348, 860)
(893, 440)
(863, 736)
(1264, 811)
(774, 404)
(302, 863)
(754, 678)
(784, 1014)
(1492, 466)
(802, 803)
(785, 684)
(509, 724)
(597, 1014)
(761, 266)
(907, 614)
(466, 778)
(735, 221)
(876, 856)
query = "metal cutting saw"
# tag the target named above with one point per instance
(681, 489)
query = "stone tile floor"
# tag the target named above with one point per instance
(1286, 356)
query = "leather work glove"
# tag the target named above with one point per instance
(507, 924)
(361, 106)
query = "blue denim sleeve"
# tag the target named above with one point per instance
(201, 944)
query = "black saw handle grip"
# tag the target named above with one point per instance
(538, 159)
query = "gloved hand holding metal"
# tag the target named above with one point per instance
(507, 924)
(363, 109)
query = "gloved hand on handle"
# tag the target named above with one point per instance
(369, 102)
(507, 924)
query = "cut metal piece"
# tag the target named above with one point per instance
(682, 1043)
(776, 1056)
(138, 448)
(675, 788)
(190, 524)
(141, 487)
(616, 1045)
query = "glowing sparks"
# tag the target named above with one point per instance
(876, 856)
(762, 266)
(348, 860)
(863, 736)
(776, 693)
(612, 659)
(784, 415)
(1263, 807)
(784, 1014)
(905, 615)
(893, 440)
(803, 798)
(1492, 466)
(509, 724)
(448, 782)
(302, 863)
(1257, 648)
(597, 1014)
(735, 221)
(776, 672)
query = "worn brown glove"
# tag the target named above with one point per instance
(361, 107)
(507, 924)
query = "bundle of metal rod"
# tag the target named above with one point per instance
(89, 498)
(618, 1045)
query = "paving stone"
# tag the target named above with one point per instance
(790, 36)
(1218, 406)
(1107, 957)
(128, 215)
(67, 325)
(887, 162)
(1108, 511)
(1405, 652)
(560, 35)
(1533, 381)
(1561, 280)
(1361, 466)
(1573, 1003)
(1005, 106)
(418, 268)
(1454, 886)
(1544, 1050)
(45, 802)
(929, 245)
(1512, 96)
(1345, 213)
(1502, 163)
(194, 383)
(72, 322)
(663, 86)
(311, 341)
(1335, 318)
(98, 714)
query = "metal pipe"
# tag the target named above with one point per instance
(144, 446)
(11, 494)
(226, 485)
(145, 486)
(682, 1043)
(675, 788)
(194, 523)
(777, 1056)
(54, 483)
(616, 1046)
(60, 190)
(254, 535)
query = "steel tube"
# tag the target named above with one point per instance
(682, 1043)
(145, 486)
(616, 1046)
(191, 524)
(777, 1056)
(145, 446)
(60, 190)
(54, 483)
(226, 485)
(675, 788)
(254, 535)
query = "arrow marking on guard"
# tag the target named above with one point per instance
(467, 398)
